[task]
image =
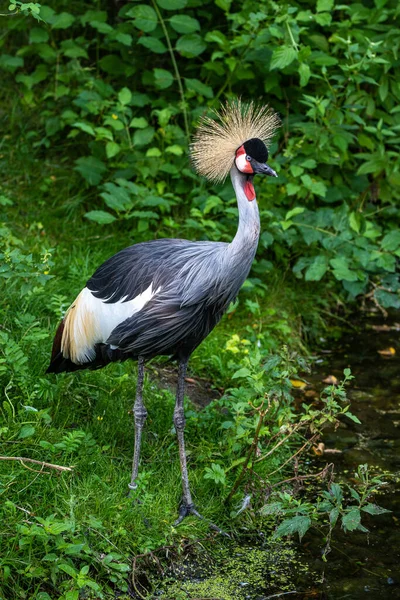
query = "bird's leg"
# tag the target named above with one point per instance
(186, 506)
(140, 414)
(179, 422)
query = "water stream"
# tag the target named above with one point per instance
(359, 566)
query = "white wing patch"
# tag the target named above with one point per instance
(89, 321)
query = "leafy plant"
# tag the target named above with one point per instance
(342, 504)
(119, 93)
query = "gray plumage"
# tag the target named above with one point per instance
(163, 297)
(194, 283)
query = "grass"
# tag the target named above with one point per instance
(63, 532)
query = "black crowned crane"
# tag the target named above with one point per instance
(163, 297)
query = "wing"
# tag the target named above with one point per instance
(174, 280)
(117, 290)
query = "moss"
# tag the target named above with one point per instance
(240, 572)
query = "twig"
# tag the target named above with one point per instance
(295, 428)
(280, 594)
(294, 455)
(175, 65)
(311, 476)
(36, 462)
(28, 512)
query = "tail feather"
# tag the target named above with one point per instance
(104, 355)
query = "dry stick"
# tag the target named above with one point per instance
(311, 476)
(310, 441)
(295, 428)
(36, 462)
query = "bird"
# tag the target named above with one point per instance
(163, 297)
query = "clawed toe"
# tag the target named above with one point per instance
(189, 509)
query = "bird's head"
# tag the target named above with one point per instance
(237, 135)
(251, 158)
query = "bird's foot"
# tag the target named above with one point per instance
(131, 493)
(189, 509)
(132, 488)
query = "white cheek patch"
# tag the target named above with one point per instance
(242, 164)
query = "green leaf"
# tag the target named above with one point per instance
(333, 516)
(353, 418)
(224, 4)
(85, 127)
(325, 5)
(374, 509)
(199, 87)
(153, 153)
(355, 494)
(336, 491)
(10, 63)
(93, 15)
(72, 50)
(125, 96)
(92, 169)
(391, 241)
(282, 57)
(375, 166)
(215, 473)
(387, 299)
(317, 269)
(294, 211)
(142, 137)
(26, 431)
(4, 201)
(123, 38)
(116, 197)
(68, 569)
(355, 221)
(162, 78)
(38, 35)
(100, 216)
(190, 45)
(174, 149)
(299, 524)
(111, 63)
(153, 44)
(101, 27)
(341, 269)
(138, 123)
(172, 4)
(324, 19)
(184, 24)
(112, 149)
(145, 17)
(139, 99)
(305, 74)
(243, 372)
(351, 520)
(316, 187)
(62, 21)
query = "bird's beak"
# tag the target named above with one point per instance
(262, 168)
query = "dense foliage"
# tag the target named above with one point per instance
(98, 106)
(109, 97)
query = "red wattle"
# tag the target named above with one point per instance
(249, 190)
